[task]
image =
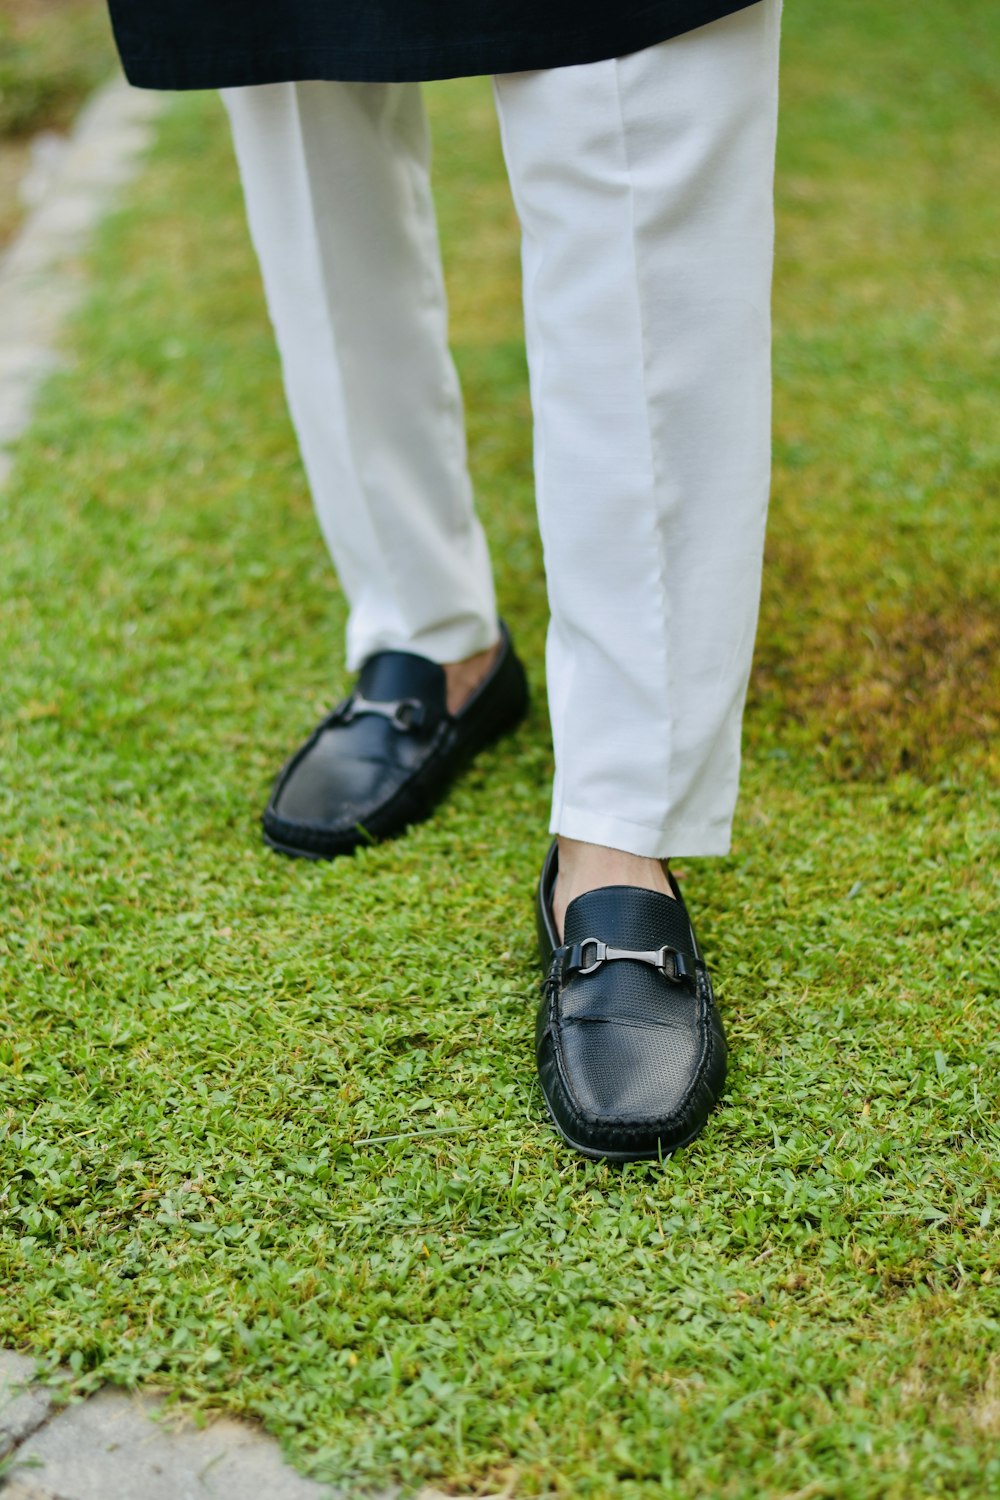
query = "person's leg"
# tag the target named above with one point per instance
(336, 179)
(338, 198)
(644, 189)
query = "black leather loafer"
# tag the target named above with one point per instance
(631, 1051)
(385, 756)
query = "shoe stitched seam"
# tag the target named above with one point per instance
(627, 1021)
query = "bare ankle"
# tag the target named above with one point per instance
(589, 867)
(463, 677)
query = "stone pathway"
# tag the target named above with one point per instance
(41, 274)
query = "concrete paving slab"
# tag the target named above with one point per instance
(110, 1448)
(23, 1408)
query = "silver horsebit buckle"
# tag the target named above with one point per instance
(403, 714)
(669, 962)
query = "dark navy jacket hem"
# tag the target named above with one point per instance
(230, 66)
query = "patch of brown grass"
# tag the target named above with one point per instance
(880, 686)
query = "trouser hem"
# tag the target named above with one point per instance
(671, 841)
(445, 643)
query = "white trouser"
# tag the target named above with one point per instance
(644, 190)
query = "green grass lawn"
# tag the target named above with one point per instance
(269, 1134)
